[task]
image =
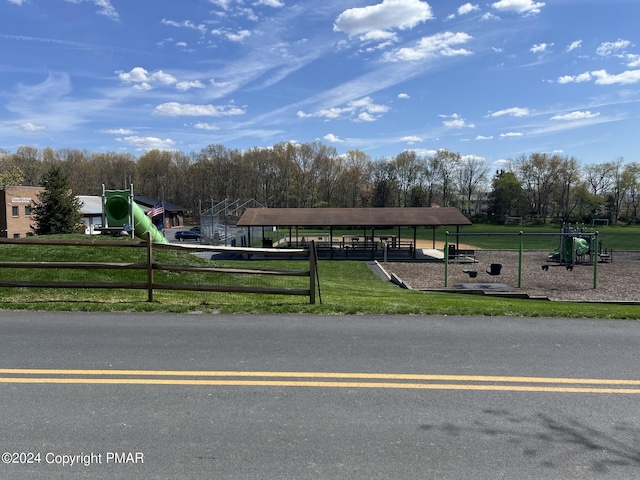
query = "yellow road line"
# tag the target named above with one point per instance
(341, 375)
(317, 384)
(304, 379)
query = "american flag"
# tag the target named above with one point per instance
(156, 210)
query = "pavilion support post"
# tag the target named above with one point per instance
(415, 241)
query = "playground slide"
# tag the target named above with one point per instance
(117, 211)
(581, 247)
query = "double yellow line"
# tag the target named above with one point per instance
(320, 380)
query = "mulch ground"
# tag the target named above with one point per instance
(616, 281)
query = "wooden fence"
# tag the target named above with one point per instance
(150, 267)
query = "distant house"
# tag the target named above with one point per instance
(172, 216)
(91, 210)
(17, 204)
(15, 214)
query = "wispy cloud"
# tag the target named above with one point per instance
(456, 121)
(578, 115)
(175, 109)
(573, 45)
(512, 112)
(439, 45)
(361, 110)
(148, 143)
(104, 7)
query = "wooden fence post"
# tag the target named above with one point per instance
(312, 272)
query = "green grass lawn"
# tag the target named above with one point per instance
(346, 287)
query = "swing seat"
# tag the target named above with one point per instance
(494, 269)
(471, 273)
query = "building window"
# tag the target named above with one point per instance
(27, 210)
(16, 235)
(15, 211)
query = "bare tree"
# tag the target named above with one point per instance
(471, 176)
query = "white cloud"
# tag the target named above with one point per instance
(385, 16)
(489, 16)
(174, 109)
(270, 3)
(118, 131)
(363, 110)
(513, 112)
(142, 80)
(148, 143)
(575, 116)
(634, 60)
(583, 77)
(224, 4)
(105, 7)
(404, 96)
(612, 48)
(411, 139)
(163, 77)
(456, 121)
(30, 127)
(483, 137)
(603, 78)
(526, 7)
(185, 24)
(511, 134)
(541, 47)
(624, 78)
(330, 137)
(574, 45)
(205, 126)
(439, 45)
(184, 85)
(467, 8)
(17, 2)
(238, 36)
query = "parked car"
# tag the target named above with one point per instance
(187, 235)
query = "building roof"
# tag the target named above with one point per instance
(91, 204)
(145, 203)
(353, 217)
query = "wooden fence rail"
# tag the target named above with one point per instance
(150, 267)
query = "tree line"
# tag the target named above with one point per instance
(538, 187)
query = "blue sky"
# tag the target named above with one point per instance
(493, 80)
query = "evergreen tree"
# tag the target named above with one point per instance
(58, 210)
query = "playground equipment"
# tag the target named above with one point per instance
(121, 211)
(576, 253)
(575, 244)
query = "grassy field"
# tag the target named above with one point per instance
(346, 287)
(613, 237)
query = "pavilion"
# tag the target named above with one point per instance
(366, 219)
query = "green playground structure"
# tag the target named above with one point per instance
(570, 245)
(575, 243)
(120, 209)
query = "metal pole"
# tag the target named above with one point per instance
(446, 259)
(131, 221)
(595, 263)
(520, 259)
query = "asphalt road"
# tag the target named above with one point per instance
(317, 397)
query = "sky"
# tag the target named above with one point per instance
(492, 80)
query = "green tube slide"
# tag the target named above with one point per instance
(116, 210)
(568, 244)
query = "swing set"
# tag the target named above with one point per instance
(496, 268)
